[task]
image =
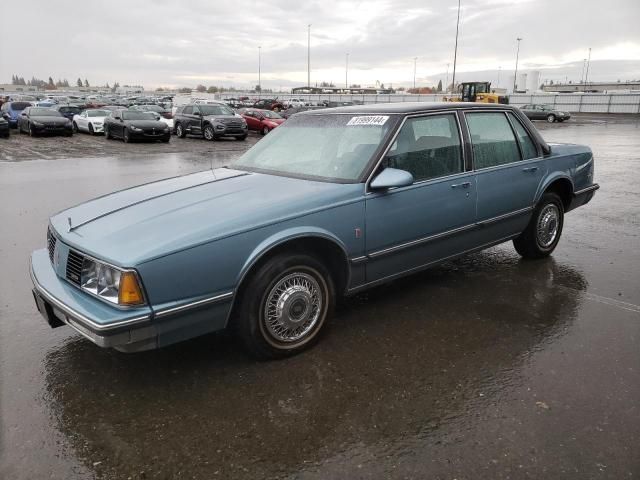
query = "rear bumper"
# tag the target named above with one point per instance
(583, 196)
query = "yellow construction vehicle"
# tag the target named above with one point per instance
(478, 92)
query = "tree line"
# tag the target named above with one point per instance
(60, 83)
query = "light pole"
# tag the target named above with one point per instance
(455, 51)
(346, 72)
(584, 65)
(259, 68)
(515, 75)
(586, 75)
(415, 59)
(309, 56)
(446, 83)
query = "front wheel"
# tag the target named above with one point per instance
(551, 118)
(284, 305)
(542, 235)
(208, 132)
(125, 136)
(107, 134)
(75, 127)
(91, 131)
(180, 133)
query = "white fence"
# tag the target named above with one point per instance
(574, 103)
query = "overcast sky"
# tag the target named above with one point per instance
(183, 43)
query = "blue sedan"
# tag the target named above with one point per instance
(331, 203)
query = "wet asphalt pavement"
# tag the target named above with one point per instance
(485, 367)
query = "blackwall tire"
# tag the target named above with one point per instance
(544, 230)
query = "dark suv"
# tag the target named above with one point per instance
(213, 121)
(269, 104)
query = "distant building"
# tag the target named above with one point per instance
(591, 87)
(343, 90)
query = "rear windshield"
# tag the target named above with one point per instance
(44, 112)
(20, 105)
(98, 113)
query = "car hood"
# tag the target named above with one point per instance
(50, 120)
(221, 118)
(145, 123)
(136, 225)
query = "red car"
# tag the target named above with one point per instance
(262, 121)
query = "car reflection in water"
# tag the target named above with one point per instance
(396, 365)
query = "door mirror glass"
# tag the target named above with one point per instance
(391, 178)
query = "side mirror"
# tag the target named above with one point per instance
(391, 178)
(197, 114)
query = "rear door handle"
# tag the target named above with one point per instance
(461, 185)
(530, 169)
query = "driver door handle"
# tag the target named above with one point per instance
(461, 185)
(530, 169)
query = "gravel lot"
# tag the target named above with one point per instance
(485, 367)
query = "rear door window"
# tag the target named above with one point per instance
(492, 138)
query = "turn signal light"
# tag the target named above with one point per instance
(130, 291)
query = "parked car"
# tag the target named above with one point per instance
(294, 103)
(212, 121)
(269, 104)
(90, 121)
(13, 110)
(4, 125)
(333, 203)
(38, 121)
(293, 110)
(130, 125)
(545, 112)
(67, 110)
(233, 102)
(262, 121)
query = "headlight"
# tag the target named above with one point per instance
(219, 127)
(135, 129)
(120, 287)
(37, 124)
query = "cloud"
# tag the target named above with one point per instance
(162, 42)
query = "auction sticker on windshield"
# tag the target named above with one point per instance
(368, 120)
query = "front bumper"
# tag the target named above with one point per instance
(159, 135)
(61, 303)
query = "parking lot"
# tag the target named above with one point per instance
(484, 367)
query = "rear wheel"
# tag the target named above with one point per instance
(284, 305)
(551, 118)
(542, 235)
(208, 132)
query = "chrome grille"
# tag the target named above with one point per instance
(74, 267)
(51, 244)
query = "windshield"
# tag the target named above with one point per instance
(215, 110)
(131, 115)
(328, 147)
(19, 105)
(44, 112)
(153, 108)
(270, 114)
(98, 113)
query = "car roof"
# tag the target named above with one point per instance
(409, 107)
